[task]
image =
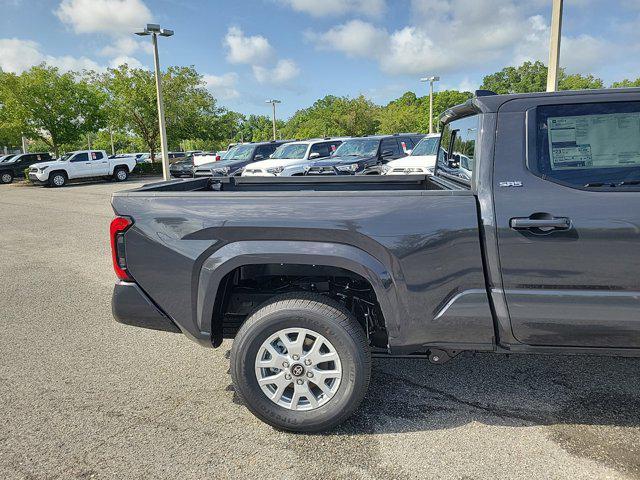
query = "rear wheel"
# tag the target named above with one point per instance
(301, 362)
(57, 179)
(120, 174)
(6, 177)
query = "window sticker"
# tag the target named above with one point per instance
(594, 141)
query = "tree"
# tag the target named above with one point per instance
(532, 77)
(190, 110)
(57, 108)
(626, 83)
(334, 116)
(410, 113)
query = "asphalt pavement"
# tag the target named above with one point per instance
(84, 397)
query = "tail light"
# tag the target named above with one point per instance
(118, 227)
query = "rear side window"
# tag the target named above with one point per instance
(96, 155)
(391, 144)
(458, 146)
(592, 145)
(265, 150)
(323, 149)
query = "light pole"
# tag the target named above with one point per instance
(154, 30)
(554, 46)
(273, 103)
(431, 80)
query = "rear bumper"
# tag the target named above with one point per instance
(131, 306)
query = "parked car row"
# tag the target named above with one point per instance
(43, 169)
(397, 154)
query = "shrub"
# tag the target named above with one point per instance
(154, 168)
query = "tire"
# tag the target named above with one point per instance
(120, 174)
(57, 179)
(327, 326)
(6, 177)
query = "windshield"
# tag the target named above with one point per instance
(290, 151)
(229, 153)
(6, 158)
(358, 148)
(243, 152)
(426, 146)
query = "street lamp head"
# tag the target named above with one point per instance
(430, 79)
(165, 32)
(143, 33)
(272, 101)
(153, 28)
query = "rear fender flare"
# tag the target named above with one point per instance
(237, 254)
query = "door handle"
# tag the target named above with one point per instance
(541, 222)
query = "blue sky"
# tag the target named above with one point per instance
(301, 50)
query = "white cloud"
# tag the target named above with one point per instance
(114, 17)
(320, 8)
(253, 50)
(283, 72)
(223, 86)
(17, 55)
(126, 46)
(125, 59)
(355, 38)
(452, 36)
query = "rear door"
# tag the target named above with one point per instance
(99, 164)
(567, 201)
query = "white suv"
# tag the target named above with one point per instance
(291, 158)
(421, 160)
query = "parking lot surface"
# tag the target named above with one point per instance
(84, 397)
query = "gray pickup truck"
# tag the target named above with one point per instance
(539, 252)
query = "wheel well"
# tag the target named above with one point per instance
(117, 167)
(58, 171)
(242, 290)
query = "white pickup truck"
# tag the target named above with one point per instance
(81, 164)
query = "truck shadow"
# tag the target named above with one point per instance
(519, 390)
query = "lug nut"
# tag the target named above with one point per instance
(285, 364)
(287, 376)
(307, 362)
(310, 374)
(300, 381)
(295, 357)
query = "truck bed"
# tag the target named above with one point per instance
(303, 183)
(420, 234)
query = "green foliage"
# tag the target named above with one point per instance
(54, 107)
(334, 116)
(410, 113)
(626, 83)
(191, 112)
(154, 168)
(532, 77)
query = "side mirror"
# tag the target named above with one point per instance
(409, 152)
(454, 161)
(314, 155)
(258, 158)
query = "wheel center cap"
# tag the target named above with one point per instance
(297, 370)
